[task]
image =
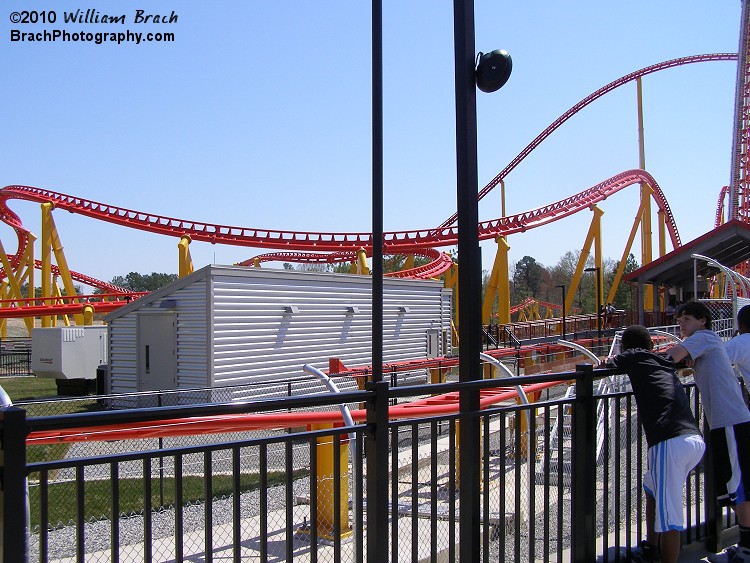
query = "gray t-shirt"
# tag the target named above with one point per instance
(720, 391)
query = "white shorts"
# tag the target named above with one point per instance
(669, 463)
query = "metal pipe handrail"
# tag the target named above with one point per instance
(4, 398)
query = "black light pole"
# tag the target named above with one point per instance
(563, 309)
(376, 443)
(469, 278)
(598, 300)
(488, 74)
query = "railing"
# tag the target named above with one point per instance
(15, 357)
(575, 327)
(544, 493)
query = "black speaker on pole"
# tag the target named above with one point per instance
(493, 70)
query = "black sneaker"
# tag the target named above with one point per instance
(644, 553)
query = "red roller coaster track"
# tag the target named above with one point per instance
(397, 242)
(586, 101)
(438, 405)
(344, 247)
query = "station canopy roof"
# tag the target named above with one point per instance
(728, 245)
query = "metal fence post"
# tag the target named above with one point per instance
(713, 513)
(583, 518)
(377, 451)
(14, 507)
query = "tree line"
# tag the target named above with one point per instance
(528, 278)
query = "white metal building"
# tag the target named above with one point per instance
(227, 325)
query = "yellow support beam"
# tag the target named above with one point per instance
(646, 191)
(593, 237)
(51, 245)
(451, 282)
(325, 483)
(4, 293)
(362, 267)
(46, 259)
(57, 293)
(15, 286)
(498, 286)
(185, 266)
(625, 254)
(88, 315)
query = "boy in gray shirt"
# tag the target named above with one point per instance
(728, 418)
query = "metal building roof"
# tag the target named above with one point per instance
(728, 245)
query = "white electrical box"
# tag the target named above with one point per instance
(68, 352)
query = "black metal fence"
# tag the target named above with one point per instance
(15, 357)
(560, 480)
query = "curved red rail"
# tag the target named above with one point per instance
(396, 242)
(432, 406)
(441, 261)
(582, 104)
(403, 242)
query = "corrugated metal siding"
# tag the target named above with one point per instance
(122, 355)
(255, 340)
(238, 314)
(192, 335)
(190, 302)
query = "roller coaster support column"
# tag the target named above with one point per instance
(4, 292)
(186, 262)
(46, 281)
(408, 262)
(646, 234)
(498, 286)
(51, 244)
(451, 282)
(362, 267)
(594, 237)
(88, 315)
(646, 192)
(57, 293)
(15, 286)
(438, 374)
(331, 463)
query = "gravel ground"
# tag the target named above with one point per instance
(62, 541)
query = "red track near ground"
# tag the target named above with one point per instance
(432, 406)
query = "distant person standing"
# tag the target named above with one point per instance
(675, 444)
(728, 418)
(738, 348)
(669, 311)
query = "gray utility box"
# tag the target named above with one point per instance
(68, 352)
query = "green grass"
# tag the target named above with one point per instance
(26, 388)
(98, 495)
(32, 388)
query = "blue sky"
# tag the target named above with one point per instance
(258, 115)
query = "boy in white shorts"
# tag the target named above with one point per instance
(675, 444)
(727, 415)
